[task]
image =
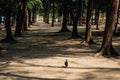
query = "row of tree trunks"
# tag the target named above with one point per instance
(24, 18)
(32, 17)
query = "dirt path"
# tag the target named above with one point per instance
(41, 53)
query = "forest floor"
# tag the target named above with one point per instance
(41, 53)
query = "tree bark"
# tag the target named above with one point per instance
(65, 13)
(25, 15)
(34, 17)
(97, 13)
(75, 19)
(107, 49)
(88, 32)
(117, 22)
(46, 17)
(53, 12)
(19, 20)
(29, 18)
(75, 30)
(9, 37)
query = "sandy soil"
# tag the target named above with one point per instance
(41, 53)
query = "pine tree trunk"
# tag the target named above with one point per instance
(88, 32)
(76, 19)
(97, 14)
(46, 17)
(25, 15)
(97, 19)
(69, 19)
(29, 18)
(117, 22)
(13, 20)
(19, 20)
(75, 30)
(53, 16)
(107, 48)
(65, 13)
(34, 17)
(81, 16)
(64, 24)
(9, 37)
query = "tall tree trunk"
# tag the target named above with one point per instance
(97, 14)
(107, 47)
(117, 22)
(9, 37)
(81, 16)
(25, 15)
(75, 20)
(29, 18)
(46, 17)
(19, 20)
(88, 32)
(97, 19)
(65, 13)
(53, 16)
(75, 30)
(69, 19)
(34, 17)
(13, 20)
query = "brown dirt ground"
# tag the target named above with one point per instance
(41, 53)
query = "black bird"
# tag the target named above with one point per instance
(66, 63)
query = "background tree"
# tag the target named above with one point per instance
(75, 12)
(22, 14)
(8, 11)
(65, 7)
(88, 31)
(19, 19)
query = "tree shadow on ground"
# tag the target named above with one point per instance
(39, 43)
(101, 74)
(107, 69)
(94, 74)
(23, 77)
(46, 45)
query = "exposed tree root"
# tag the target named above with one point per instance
(108, 54)
(84, 42)
(114, 53)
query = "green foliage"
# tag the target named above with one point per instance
(34, 5)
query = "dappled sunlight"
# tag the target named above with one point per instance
(41, 54)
